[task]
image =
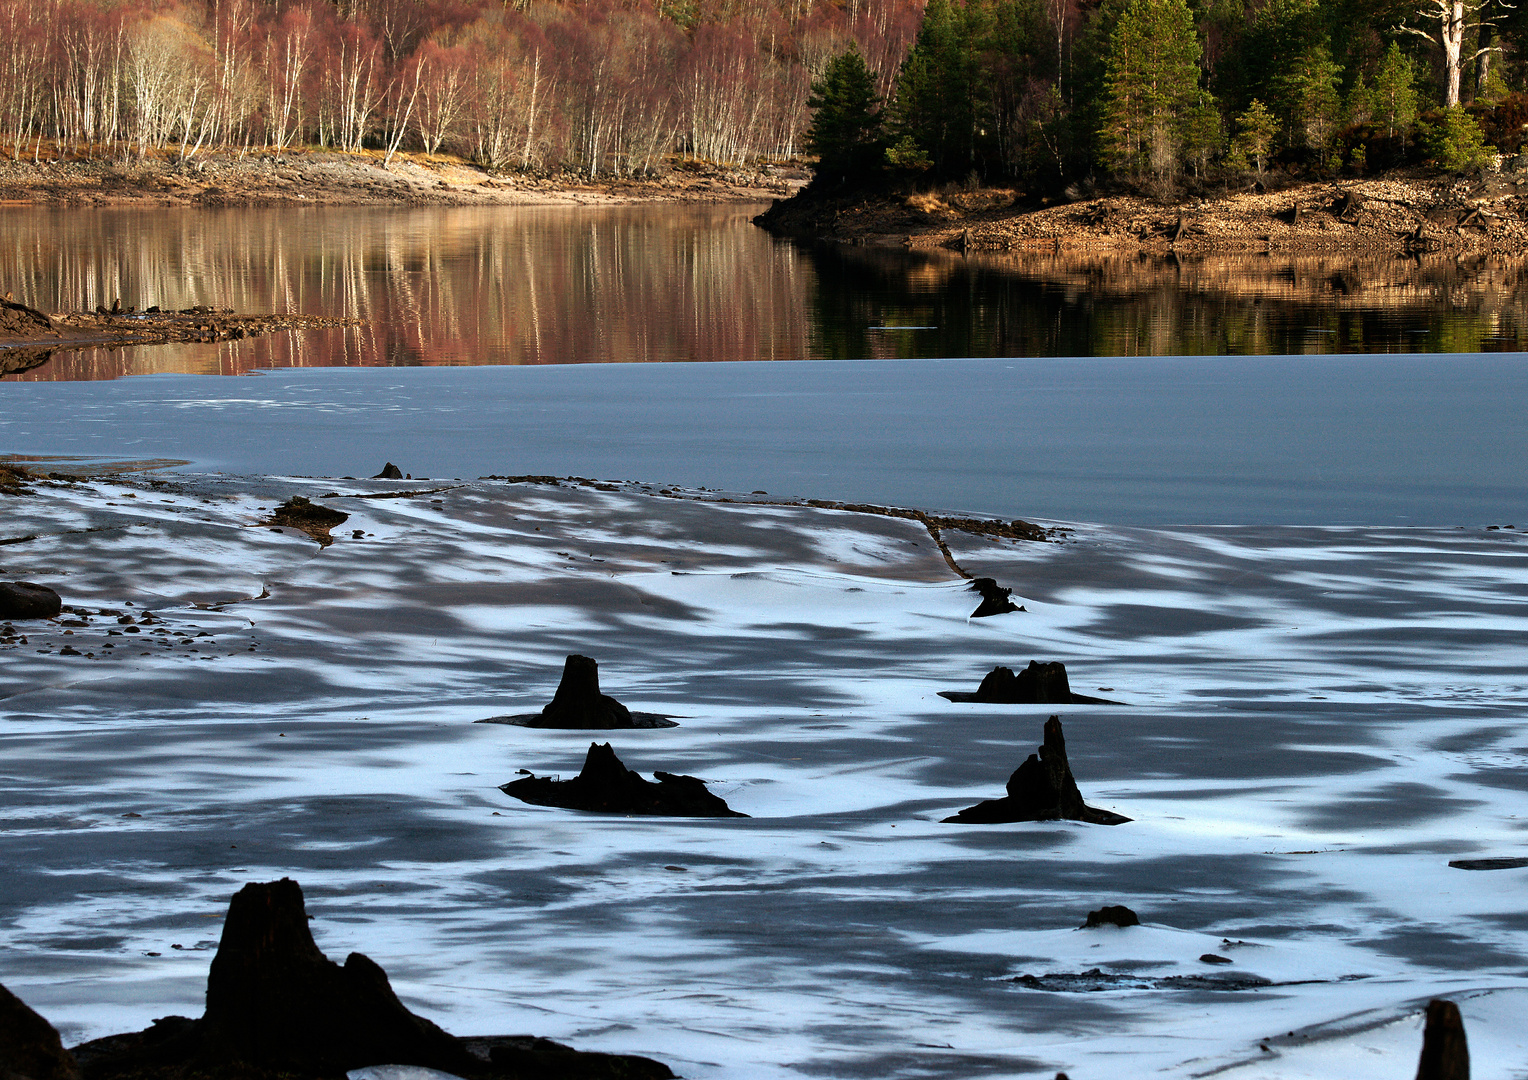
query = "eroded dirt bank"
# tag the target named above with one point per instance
(332, 178)
(1398, 214)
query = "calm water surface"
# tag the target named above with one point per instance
(459, 286)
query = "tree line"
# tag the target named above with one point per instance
(604, 87)
(1049, 92)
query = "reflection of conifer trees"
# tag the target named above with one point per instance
(473, 286)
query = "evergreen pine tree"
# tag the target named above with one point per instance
(1393, 96)
(1151, 79)
(1255, 129)
(940, 97)
(846, 120)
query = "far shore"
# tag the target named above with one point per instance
(331, 178)
(1400, 213)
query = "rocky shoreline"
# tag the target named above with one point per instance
(1401, 214)
(331, 178)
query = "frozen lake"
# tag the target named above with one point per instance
(1434, 440)
(1313, 723)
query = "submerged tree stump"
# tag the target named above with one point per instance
(607, 786)
(273, 998)
(1038, 684)
(579, 705)
(30, 1048)
(1445, 1053)
(1041, 789)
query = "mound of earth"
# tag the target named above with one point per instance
(277, 1007)
(579, 705)
(309, 517)
(606, 786)
(1041, 789)
(20, 321)
(1038, 684)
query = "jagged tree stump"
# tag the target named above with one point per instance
(274, 999)
(1445, 1053)
(578, 702)
(1041, 789)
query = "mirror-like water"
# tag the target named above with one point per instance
(678, 283)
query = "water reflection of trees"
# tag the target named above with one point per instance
(1125, 305)
(448, 286)
(569, 285)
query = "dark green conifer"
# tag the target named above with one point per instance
(846, 121)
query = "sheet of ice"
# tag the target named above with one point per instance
(1313, 722)
(1407, 440)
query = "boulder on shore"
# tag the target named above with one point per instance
(1038, 684)
(607, 786)
(278, 1007)
(578, 704)
(1041, 789)
(24, 600)
(30, 1048)
(389, 472)
(1112, 915)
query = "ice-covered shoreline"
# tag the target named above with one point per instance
(1318, 720)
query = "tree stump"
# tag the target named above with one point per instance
(1445, 1054)
(274, 999)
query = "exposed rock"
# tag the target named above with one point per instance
(1041, 789)
(1445, 1053)
(29, 1047)
(995, 598)
(13, 478)
(579, 704)
(608, 787)
(389, 472)
(24, 600)
(299, 513)
(278, 1008)
(1112, 915)
(1212, 958)
(1038, 684)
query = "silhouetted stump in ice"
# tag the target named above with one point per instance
(273, 997)
(1041, 789)
(1038, 684)
(1445, 1054)
(1112, 915)
(606, 786)
(995, 598)
(30, 1048)
(24, 600)
(278, 1008)
(389, 472)
(578, 704)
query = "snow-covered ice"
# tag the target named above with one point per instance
(1314, 722)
